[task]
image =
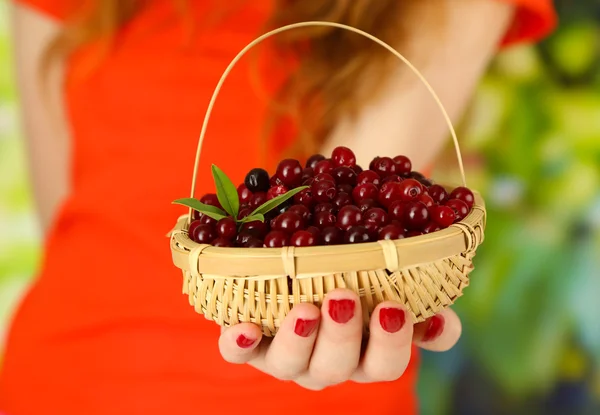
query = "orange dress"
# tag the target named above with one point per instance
(105, 329)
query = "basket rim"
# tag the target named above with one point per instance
(457, 239)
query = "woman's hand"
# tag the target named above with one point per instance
(317, 348)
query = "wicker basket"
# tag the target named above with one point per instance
(260, 285)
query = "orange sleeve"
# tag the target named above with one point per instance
(58, 9)
(534, 19)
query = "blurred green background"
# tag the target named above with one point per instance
(531, 341)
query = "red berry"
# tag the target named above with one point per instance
(343, 156)
(307, 173)
(438, 194)
(258, 199)
(276, 239)
(276, 191)
(426, 200)
(368, 176)
(391, 232)
(257, 180)
(244, 194)
(323, 191)
(348, 216)
(415, 216)
(226, 228)
(288, 222)
(324, 219)
(367, 204)
(464, 194)
(442, 215)
(222, 242)
(253, 243)
(289, 171)
(385, 166)
(204, 234)
(331, 236)
(390, 192)
(313, 160)
(324, 166)
(377, 215)
(365, 191)
(303, 238)
(356, 235)
(302, 211)
(412, 233)
(315, 231)
(372, 229)
(324, 207)
(193, 226)
(304, 198)
(410, 189)
(256, 228)
(396, 210)
(308, 181)
(206, 220)
(344, 175)
(243, 237)
(431, 227)
(323, 177)
(341, 200)
(275, 181)
(211, 199)
(344, 188)
(392, 178)
(244, 212)
(460, 208)
(373, 162)
(403, 165)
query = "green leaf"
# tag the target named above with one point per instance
(210, 211)
(226, 192)
(273, 203)
(251, 218)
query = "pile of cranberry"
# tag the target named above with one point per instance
(343, 204)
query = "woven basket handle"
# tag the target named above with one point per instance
(316, 23)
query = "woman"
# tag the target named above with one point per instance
(104, 328)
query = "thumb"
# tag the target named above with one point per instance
(239, 344)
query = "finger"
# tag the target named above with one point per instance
(337, 349)
(439, 333)
(388, 349)
(289, 354)
(239, 343)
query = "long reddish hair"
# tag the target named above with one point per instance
(331, 78)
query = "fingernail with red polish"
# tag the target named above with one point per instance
(341, 311)
(244, 342)
(305, 328)
(435, 328)
(392, 319)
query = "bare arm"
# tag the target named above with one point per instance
(405, 119)
(42, 110)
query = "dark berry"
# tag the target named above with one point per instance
(345, 188)
(365, 191)
(307, 173)
(438, 194)
(425, 182)
(344, 175)
(193, 227)
(377, 215)
(257, 180)
(385, 166)
(348, 216)
(302, 211)
(243, 237)
(323, 177)
(304, 198)
(464, 194)
(315, 231)
(323, 219)
(257, 228)
(391, 232)
(303, 238)
(222, 242)
(372, 229)
(204, 234)
(211, 199)
(258, 199)
(431, 227)
(253, 243)
(288, 222)
(276, 239)
(343, 156)
(323, 191)
(313, 160)
(403, 165)
(244, 194)
(415, 216)
(226, 228)
(357, 169)
(410, 189)
(460, 208)
(396, 210)
(244, 212)
(331, 236)
(276, 191)
(412, 233)
(207, 220)
(368, 176)
(341, 200)
(389, 193)
(367, 204)
(356, 235)
(373, 163)
(324, 207)
(324, 166)
(392, 178)
(442, 215)
(426, 200)
(416, 175)
(289, 171)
